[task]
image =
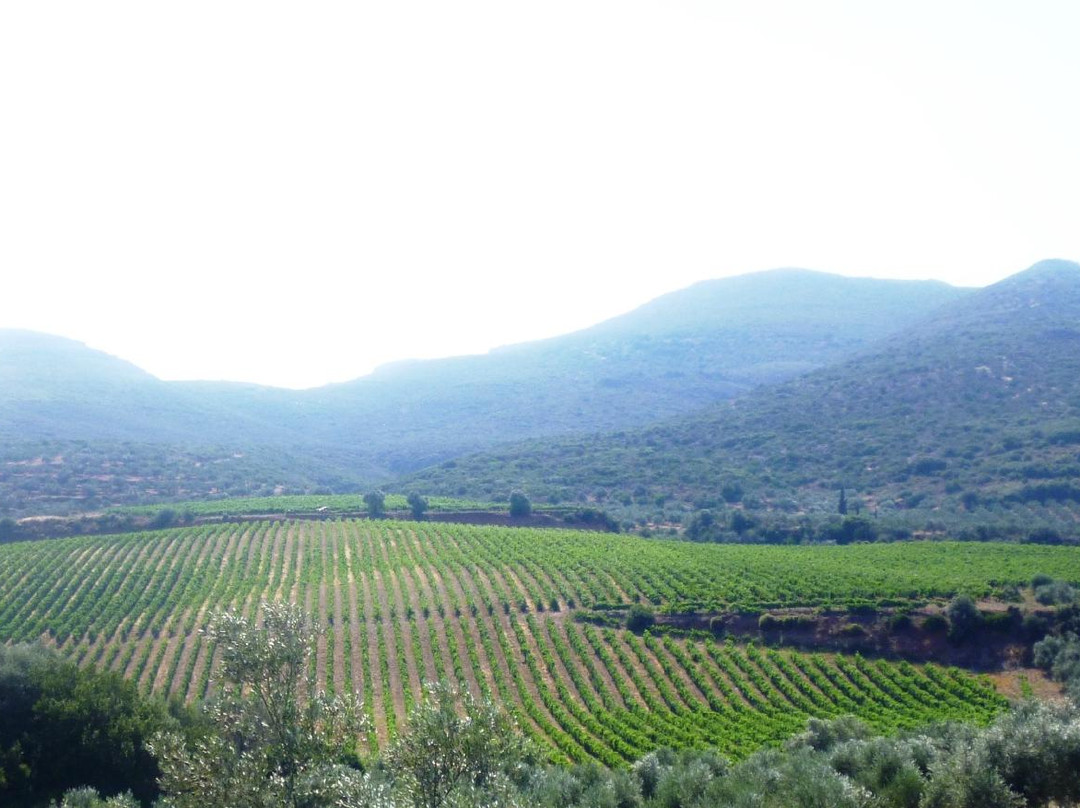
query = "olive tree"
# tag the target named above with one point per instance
(276, 740)
(376, 504)
(445, 752)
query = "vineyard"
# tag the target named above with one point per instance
(301, 503)
(403, 603)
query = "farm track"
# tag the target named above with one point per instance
(493, 607)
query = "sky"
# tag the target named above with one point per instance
(292, 193)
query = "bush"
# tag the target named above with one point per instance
(1040, 579)
(900, 623)
(853, 630)
(1035, 627)
(787, 622)
(1000, 621)
(964, 617)
(376, 504)
(1055, 592)
(935, 624)
(166, 517)
(640, 618)
(519, 505)
(417, 504)
(769, 622)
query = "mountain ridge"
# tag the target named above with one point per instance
(674, 355)
(973, 405)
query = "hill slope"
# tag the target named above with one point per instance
(979, 406)
(488, 607)
(687, 349)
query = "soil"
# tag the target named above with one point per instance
(987, 650)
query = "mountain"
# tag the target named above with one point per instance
(682, 351)
(976, 407)
(672, 356)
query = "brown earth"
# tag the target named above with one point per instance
(988, 649)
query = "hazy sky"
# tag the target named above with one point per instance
(293, 193)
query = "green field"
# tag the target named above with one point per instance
(301, 503)
(492, 607)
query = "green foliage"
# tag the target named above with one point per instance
(519, 504)
(65, 727)
(935, 624)
(1059, 655)
(376, 504)
(472, 604)
(417, 505)
(270, 746)
(671, 357)
(447, 752)
(1054, 592)
(932, 428)
(86, 797)
(639, 618)
(964, 617)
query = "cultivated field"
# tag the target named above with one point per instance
(405, 602)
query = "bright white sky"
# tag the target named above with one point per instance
(293, 193)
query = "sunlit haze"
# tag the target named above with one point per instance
(294, 193)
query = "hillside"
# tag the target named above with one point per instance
(494, 608)
(136, 437)
(976, 410)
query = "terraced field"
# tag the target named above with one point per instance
(407, 602)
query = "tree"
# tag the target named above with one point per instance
(8, 529)
(841, 506)
(417, 504)
(964, 617)
(269, 747)
(445, 752)
(62, 726)
(519, 504)
(376, 504)
(640, 618)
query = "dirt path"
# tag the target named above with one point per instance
(1011, 684)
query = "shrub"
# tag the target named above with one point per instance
(417, 504)
(519, 504)
(900, 623)
(1000, 621)
(1041, 579)
(640, 618)
(935, 624)
(166, 517)
(769, 622)
(376, 504)
(964, 617)
(1055, 592)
